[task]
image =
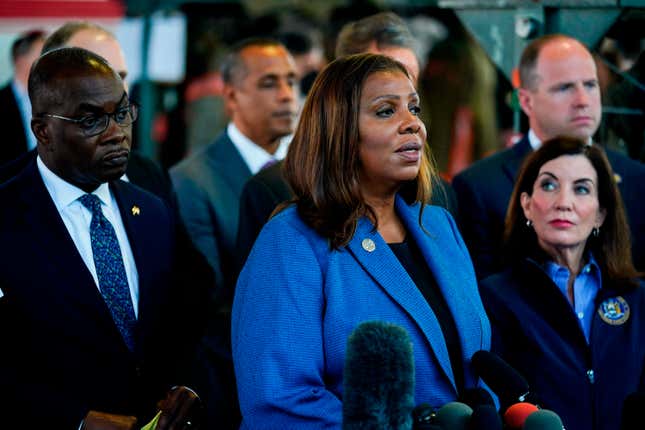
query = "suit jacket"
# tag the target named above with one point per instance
(297, 301)
(484, 190)
(61, 351)
(208, 185)
(268, 188)
(537, 332)
(14, 141)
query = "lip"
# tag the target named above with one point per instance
(117, 158)
(561, 223)
(285, 114)
(582, 119)
(410, 151)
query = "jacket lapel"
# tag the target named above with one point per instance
(384, 267)
(517, 155)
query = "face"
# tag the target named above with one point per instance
(262, 102)
(391, 134)
(85, 161)
(405, 56)
(565, 100)
(564, 207)
(102, 44)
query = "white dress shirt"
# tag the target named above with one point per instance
(77, 219)
(253, 154)
(536, 142)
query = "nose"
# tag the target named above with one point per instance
(581, 96)
(563, 201)
(115, 132)
(411, 124)
(286, 91)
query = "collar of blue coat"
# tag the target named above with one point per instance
(449, 261)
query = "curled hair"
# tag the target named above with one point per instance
(323, 165)
(612, 247)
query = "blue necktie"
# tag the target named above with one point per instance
(110, 270)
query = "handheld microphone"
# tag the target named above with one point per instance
(516, 414)
(485, 417)
(378, 378)
(477, 396)
(544, 420)
(501, 377)
(454, 416)
(423, 417)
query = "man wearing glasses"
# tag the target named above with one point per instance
(92, 314)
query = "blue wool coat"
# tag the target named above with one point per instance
(297, 301)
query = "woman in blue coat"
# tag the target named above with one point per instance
(358, 244)
(569, 312)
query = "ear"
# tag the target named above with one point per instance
(526, 101)
(230, 96)
(41, 130)
(525, 202)
(600, 218)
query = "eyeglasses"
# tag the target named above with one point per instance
(95, 124)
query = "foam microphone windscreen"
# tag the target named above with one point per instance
(633, 407)
(500, 376)
(485, 417)
(544, 420)
(378, 379)
(516, 414)
(454, 416)
(474, 397)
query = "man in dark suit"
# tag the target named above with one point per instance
(259, 91)
(559, 93)
(95, 314)
(383, 33)
(15, 110)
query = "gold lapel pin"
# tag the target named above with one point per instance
(618, 178)
(136, 210)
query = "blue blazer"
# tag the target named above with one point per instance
(61, 351)
(297, 301)
(208, 185)
(484, 190)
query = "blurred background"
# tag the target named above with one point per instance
(467, 50)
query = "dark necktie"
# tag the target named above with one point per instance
(110, 270)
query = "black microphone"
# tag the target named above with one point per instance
(501, 377)
(378, 379)
(485, 417)
(544, 420)
(476, 396)
(454, 416)
(633, 407)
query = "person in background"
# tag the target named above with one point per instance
(569, 311)
(383, 33)
(97, 311)
(15, 109)
(560, 95)
(358, 244)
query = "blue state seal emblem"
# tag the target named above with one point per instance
(614, 311)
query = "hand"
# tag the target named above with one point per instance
(95, 420)
(181, 410)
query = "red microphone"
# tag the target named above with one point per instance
(516, 414)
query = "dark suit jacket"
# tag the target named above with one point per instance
(484, 190)
(209, 184)
(267, 189)
(61, 351)
(13, 141)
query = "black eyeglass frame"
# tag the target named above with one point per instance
(132, 108)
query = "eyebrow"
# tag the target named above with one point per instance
(577, 181)
(393, 96)
(93, 108)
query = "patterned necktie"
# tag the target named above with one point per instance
(110, 270)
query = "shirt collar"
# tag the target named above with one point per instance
(535, 141)
(63, 193)
(554, 270)
(253, 154)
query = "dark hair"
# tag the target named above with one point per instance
(22, 45)
(44, 78)
(529, 58)
(233, 67)
(386, 29)
(61, 36)
(322, 165)
(612, 247)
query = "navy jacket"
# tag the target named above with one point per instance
(537, 332)
(62, 354)
(484, 190)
